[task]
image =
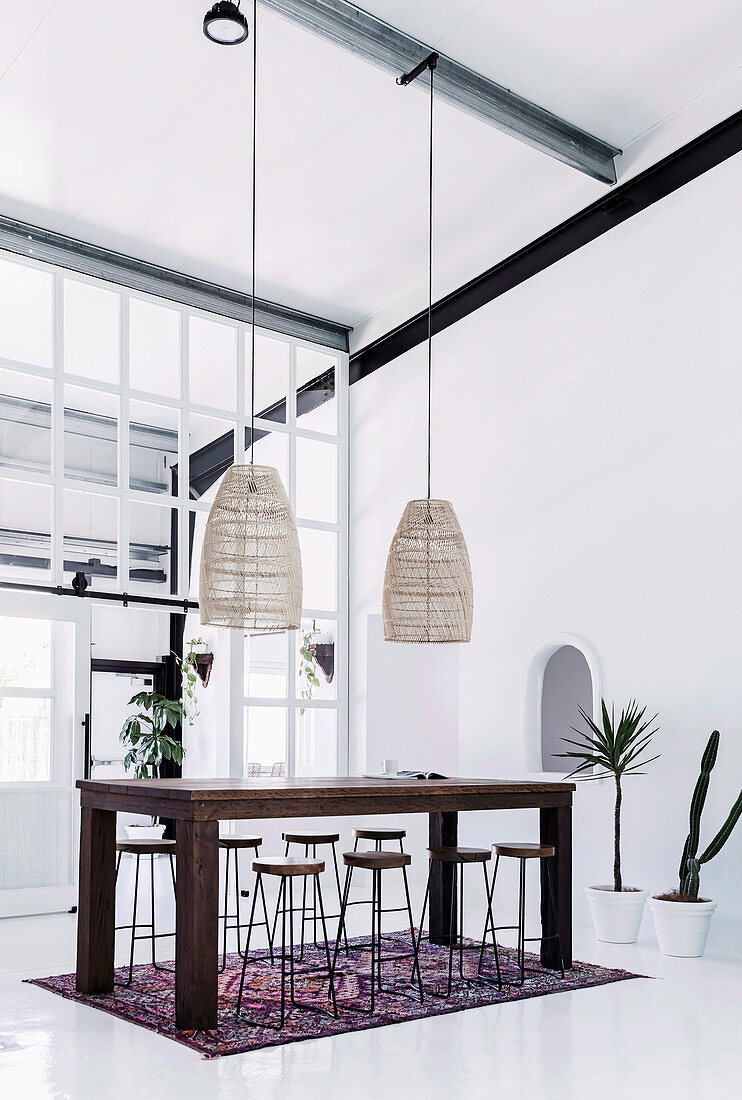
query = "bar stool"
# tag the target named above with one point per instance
(309, 839)
(233, 845)
(287, 868)
(376, 862)
(459, 858)
(139, 848)
(522, 852)
(378, 835)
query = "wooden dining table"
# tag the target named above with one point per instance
(198, 805)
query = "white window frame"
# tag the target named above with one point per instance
(124, 496)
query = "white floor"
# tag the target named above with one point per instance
(679, 1036)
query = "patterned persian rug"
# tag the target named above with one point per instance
(150, 1001)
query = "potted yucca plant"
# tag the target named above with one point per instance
(681, 917)
(145, 736)
(614, 750)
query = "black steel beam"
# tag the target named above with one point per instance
(700, 155)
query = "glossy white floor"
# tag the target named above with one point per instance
(679, 1036)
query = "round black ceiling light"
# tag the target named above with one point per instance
(225, 24)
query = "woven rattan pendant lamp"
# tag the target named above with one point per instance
(251, 575)
(428, 591)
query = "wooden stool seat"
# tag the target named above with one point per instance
(524, 851)
(377, 861)
(146, 847)
(379, 834)
(288, 866)
(240, 841)
(310, 838)
(459, 855)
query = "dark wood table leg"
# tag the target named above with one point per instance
(443, 832)
(196, 916)
(96, 901)
(556, 829)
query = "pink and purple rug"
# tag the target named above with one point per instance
(150, 1001)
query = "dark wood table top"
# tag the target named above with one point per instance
(208, 790)
(332, 796)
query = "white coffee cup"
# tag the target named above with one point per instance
(390, 767)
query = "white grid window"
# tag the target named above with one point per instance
(119, 413)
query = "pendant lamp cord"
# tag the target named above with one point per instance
(430, 263)
(254, 206)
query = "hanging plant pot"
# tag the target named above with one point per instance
(203, 662)
(324, 655)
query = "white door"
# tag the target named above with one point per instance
(44, 699)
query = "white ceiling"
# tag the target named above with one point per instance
(121, 124)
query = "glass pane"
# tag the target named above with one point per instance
(91, 331)
(316, 480)
(316, 741)
(25, 741)
(91, 537)
(319, 559)
(266, 665)
(150, 538)
(316, 399)
(25, 654)
(25, 529)
(25, 314)
(315, 659)
(90, 436)
(154, 348)
(212, 363)
(271, 377)
(25, 422)
(153, 447)
(210, 451)
(272, 449)
(265, 740)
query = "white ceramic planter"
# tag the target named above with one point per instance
(617, 917)
(682, 927)
(145, 832)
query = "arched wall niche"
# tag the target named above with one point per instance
(571, 678)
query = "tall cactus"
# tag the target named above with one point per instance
(690, 864)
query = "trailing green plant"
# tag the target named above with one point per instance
(691, 862)
(145, 734)
(308, 678)
(614, 749)
(189, 679)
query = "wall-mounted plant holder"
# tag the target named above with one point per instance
(324, 655)
(204, 663)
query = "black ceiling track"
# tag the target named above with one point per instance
(687, 163)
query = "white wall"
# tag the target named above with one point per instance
(587, 428)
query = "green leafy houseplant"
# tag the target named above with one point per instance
(691, 862)
(614, 749)
(307, 667)
(189, 679)
(145, 735)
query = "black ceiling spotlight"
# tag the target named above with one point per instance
(225, 24)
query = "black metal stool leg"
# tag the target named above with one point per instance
(422, 915)
(152, 904)
(222, 968)
(133, 922)
(342, 919)
(489, 920)
(269, 934)
(415, 959)
(327, 952)
(278, 901)
(246, 956)
(337, 883)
